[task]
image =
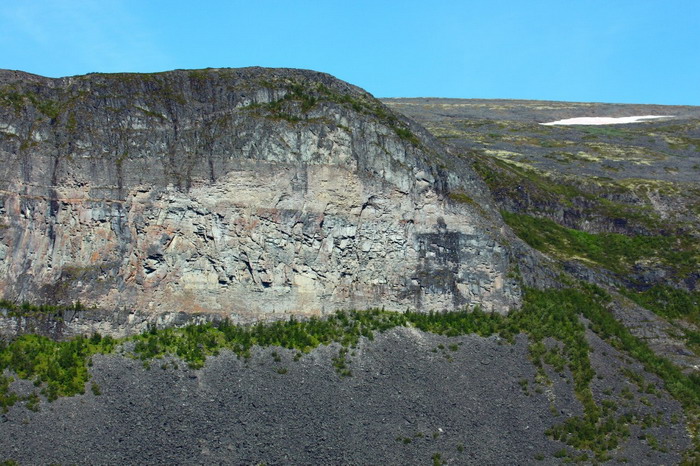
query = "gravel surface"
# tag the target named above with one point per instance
(411, 395)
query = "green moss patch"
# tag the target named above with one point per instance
(615, 252)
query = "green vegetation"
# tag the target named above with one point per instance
(7, 397)
(71, 123)
(692, 339)
(34, 310)
(367, 105)
(199, 76)
(654, 443)
(157, 86)
(638, 380)
(669, 302)
(195, 342)
(96, 390)
(546, 314)
(615, 252)
(150, 113)
(508, 180)
(406, 134)
(544, 194)
(280, 109)
(11, 97)
(620, 254)
(462, 198)
(605, 131)
(59, 368)
(523, 385)
(340, 363)
(674, 305)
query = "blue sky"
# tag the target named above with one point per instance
(641, 51)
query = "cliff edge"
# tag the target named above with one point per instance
(253, 193)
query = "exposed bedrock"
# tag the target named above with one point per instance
(252, 193)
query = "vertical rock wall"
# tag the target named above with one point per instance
(250, 193)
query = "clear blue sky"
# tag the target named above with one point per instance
(637, 51)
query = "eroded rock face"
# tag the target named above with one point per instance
(252, 193)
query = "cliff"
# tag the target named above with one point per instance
(252, 193)
(186, 197)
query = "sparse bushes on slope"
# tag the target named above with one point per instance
(28, 309)
(669, 302)
(59, 368)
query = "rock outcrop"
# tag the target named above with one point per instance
(253, 193)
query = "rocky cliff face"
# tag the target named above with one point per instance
(252, 193)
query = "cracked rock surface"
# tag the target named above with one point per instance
(252, 193)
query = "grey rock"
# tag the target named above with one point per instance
(246, 193)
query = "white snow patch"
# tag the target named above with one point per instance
(606, 120)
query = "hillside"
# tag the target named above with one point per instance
(283, 269)
(616, 205)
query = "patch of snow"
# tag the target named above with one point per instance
(606, 120)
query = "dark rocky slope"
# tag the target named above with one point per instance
(474, 401)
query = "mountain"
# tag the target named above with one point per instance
(247, 266)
